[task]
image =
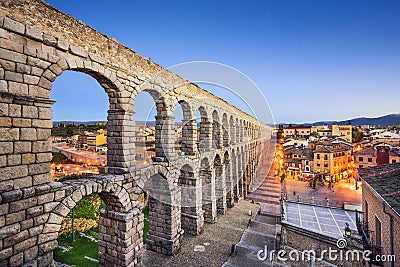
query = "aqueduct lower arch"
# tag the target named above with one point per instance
(38, 43)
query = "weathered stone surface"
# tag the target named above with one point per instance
(9, 241)
(5, 122)
(30, 51)
(28, 134)
(10, 45)
(12, 56)
(29, 62)
(23, 182)
(25, 245)
(30, 79)
(13, 172)
(36, 62)
(78, 51)
(13, 76)
(22, 204)
(9, 134)
(62, 45)
(49, 40)
(5, 253)
(7, 65)
(22, 147)
(13, 160)
(17, 88)
(22, 68)
(28, 158)
(9, 230)
(14, 26)
(34, 32)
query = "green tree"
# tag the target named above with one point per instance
(356, 135)
(283, 176)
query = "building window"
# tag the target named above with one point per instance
(318, 165)
(378, 236)
(318, 156)
(360, 159)
(325, 157)
(369, 159)
(366, 211)
(393, 161)
(326, 164)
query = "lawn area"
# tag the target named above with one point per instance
(146, 223)
(82, 246)
(78, 249)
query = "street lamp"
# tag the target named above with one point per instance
(347, 230)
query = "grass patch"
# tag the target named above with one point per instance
(78, 249)
(89, 207)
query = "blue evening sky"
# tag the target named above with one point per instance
(312, 60)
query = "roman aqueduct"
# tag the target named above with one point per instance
(37, 44)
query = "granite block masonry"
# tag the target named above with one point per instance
(37, 44)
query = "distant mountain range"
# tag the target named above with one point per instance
(387, 120)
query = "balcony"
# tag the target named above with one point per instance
(365, 233)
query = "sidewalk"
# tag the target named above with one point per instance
(213, 246)
(341, 192)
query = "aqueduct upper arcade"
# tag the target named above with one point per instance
(215, 168)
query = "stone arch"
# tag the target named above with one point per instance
(192, 218)
(165, 211)
(237, 131)
(164, 129)
(207, 178)
(220, 184)
(103, 75)
(34, 59)
(235, 182)
(120, 222)
(188, 128)
(216, 130)
(227, 165)
(232, 130)
(225, 130)
(120, 156)
(205, 135)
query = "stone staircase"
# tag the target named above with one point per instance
(261, 232)
(268, 196)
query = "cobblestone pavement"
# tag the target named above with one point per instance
(341, 192)
(213, 245)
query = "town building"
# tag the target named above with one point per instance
(298, 162)
(376, 155)
(381, 206)
(333, 160)
(343, 131)
(297, 131)
(365, 157)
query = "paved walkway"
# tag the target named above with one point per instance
(213, 245)
(268, 194)
(341, 192)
